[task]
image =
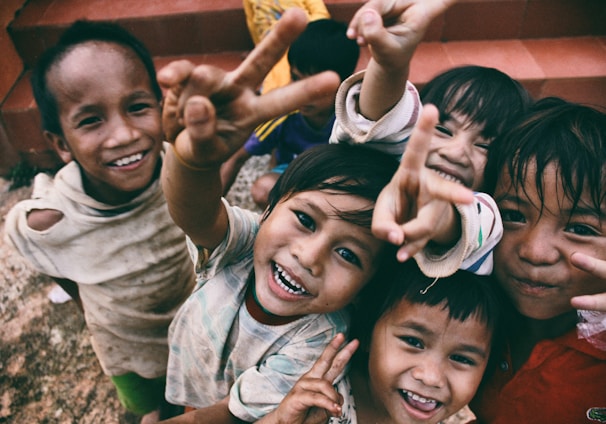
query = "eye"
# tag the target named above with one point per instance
(442, 131)
(88, 121)
(305, 220)
(138, 107)
(349, 256)
(413, 342)
(462, 359)
(581, 230)
(512, 215)
(482, 144)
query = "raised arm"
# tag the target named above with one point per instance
(392, 29)
(209, 113)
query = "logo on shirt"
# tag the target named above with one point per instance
(597, 414)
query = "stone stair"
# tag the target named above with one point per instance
(554, 47)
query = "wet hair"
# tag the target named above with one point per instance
(484, 96)
(78, 33)
(337, 168)
(571, 136)
(323, 46)
(463, 295)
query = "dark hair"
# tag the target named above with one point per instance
(569, 135)
(80, 32)
(485, 96)
(349, 169)
(323, 46)
(463, 294)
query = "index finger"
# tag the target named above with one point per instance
(417, 148)
(333, 359)
(266, 54)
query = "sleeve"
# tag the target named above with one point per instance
(481, 230)
(265, 137)
(389, 134)
(316, 9)
(259, 390)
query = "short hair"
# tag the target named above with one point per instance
(324, 46)
(485, 96)
(80, 32)
(342, 168)
(463, 295)
(570, 135)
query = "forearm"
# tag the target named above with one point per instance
(194, 200)
(381, 90)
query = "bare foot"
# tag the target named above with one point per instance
(151, 418)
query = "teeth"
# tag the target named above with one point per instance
(130, 159)
(448, 176)
(419, 399)
(286, 282)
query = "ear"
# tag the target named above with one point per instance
(60, 146)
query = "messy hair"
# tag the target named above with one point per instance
(569, 135)
(484, 96)
(81, 32)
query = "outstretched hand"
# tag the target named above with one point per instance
(393, 29)
(313, 398)
(416, 206)
(209, 113)
(597, 268)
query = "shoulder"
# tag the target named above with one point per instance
(43, 219)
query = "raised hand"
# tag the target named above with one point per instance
(313, 399)
(209, 112)
(417, 205)
(597, 268)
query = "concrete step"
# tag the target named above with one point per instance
(554, 47)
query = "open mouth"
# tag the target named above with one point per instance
(448, 177)
(286, 282)
(128, 160)
(419, 402)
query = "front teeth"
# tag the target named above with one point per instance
(420, 399)
(448, 176)
(286, 282)
(128, 160)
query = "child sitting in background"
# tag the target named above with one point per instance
(426, 346)
(548, 176)
(323, 46)
(101, 226)
(262, 16)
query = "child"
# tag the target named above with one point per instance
(323, 46)
(550, 191)
(262, 16)
(426, 346)
(101, 225)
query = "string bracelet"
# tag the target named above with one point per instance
(184, 163)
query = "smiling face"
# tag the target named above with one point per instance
(310, 260)
(110, 119)
(423, 365)
(532, 260)
(459, 150)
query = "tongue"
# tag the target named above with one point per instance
(423, 406)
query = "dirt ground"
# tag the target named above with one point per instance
(48, 370)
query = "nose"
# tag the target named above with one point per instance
(310, 252)
(122, 131)
(537, 247)
(430, 372)
(457, 150)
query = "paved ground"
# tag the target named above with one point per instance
(48, 371)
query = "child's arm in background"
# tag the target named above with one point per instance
(209, 113)
(392, 30)
(313, 398)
